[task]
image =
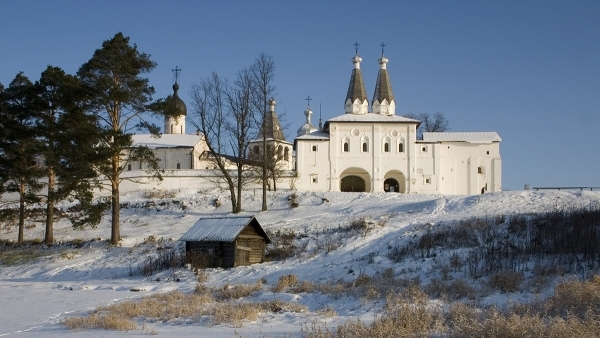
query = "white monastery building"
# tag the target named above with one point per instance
(378, 151)
(361, 151)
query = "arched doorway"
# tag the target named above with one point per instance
(355, 179)
(394, 179)
(391, 185)
(352, 183)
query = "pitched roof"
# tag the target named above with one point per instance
(469, 137)
(370, 117)
(222, 229)
(316, 135)
(166, 140)
(383, 87)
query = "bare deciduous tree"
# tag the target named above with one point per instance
(224, 115)
(429, 123)
(263, 74)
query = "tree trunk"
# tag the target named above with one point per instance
(264, 171)
(115, 235)
(239, 191)
(21, 212)
(49, 237)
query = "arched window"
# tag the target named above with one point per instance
(365, 144)
(386, 147)
(346, 147)
(401, 147)
(314, 148)
(280, 151)
(286, 154)
(129, 167)
(178, 166)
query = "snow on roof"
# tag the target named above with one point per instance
(220, 229)
(316, 135)
(370, 117)
(166, 140)
(470, 137)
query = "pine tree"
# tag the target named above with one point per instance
(119, 96)
(19, 146)
(67, 139)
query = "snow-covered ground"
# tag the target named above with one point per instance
(67, 281)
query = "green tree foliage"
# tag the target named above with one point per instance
(67, 139)
(19, 147)
(119, 96)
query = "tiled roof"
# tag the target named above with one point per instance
(470, 137)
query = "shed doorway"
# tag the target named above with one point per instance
(391, 185)
(352, 184)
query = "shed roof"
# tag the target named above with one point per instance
(166, 140)
(469, 137)
(221, 229)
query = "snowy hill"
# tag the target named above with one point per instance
(84, 272)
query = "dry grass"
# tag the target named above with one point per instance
(285, 282)
(176, 305)
(573, 311)
(97, 321)
(18, 256)
(238, 291)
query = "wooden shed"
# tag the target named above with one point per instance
(225, 242)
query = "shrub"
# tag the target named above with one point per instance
(284, 282)
(507, 281)
(238, 291)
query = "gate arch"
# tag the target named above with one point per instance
(355, 179)
(394, 177)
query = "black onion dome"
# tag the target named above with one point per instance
(179, 104)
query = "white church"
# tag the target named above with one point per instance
(378, 151)
(360, 151)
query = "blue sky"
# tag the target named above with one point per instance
(529, 70)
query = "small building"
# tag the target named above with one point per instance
(225, 242)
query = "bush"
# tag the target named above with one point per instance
(284, 282)
(508, 281)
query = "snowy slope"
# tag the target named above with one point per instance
(69, 281)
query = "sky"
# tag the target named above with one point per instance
(529, 70)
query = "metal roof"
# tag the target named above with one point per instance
(469, 137)
(371, 117)
(166, 140)
(221, 229)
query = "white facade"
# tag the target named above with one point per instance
(379, 151)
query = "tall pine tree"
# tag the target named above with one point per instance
(67, 139)
(119, 96)
(19, 147)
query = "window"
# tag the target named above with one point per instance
(480, 170)
(401, 147)
(424, 149)
(346, 147)
(280, 151)
(129, 167)
(427, 180)
(178, 166)
(286, 154)
(365, 147)
(256, 152)
(386, 147)
(314, 148)
(488, 152)
(314, 179)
